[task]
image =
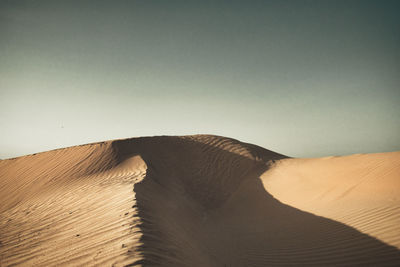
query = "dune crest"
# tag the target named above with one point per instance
(196, 201)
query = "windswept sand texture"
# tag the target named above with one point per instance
(197, 201)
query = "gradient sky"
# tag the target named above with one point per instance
(303, 78)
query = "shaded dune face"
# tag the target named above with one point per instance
(166, 201)
(218, 213)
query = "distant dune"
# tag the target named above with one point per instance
(197, 201)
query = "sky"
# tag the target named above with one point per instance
(302, 78)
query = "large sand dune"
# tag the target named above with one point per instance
(197, 201)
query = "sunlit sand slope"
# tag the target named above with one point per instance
(362, 191)
(197, 201)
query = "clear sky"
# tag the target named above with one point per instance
(303, 78)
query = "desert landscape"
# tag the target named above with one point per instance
(200, 200)
(199, 133)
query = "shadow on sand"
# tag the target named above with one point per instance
(202, 205)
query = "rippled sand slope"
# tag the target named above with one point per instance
(197, 201)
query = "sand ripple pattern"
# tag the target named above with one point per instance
(186, 201)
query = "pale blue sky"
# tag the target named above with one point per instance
(303, 78)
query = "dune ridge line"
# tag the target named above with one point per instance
(200, 200)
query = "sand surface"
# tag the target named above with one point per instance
(197, 201)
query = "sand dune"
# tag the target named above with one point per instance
(197, 201)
